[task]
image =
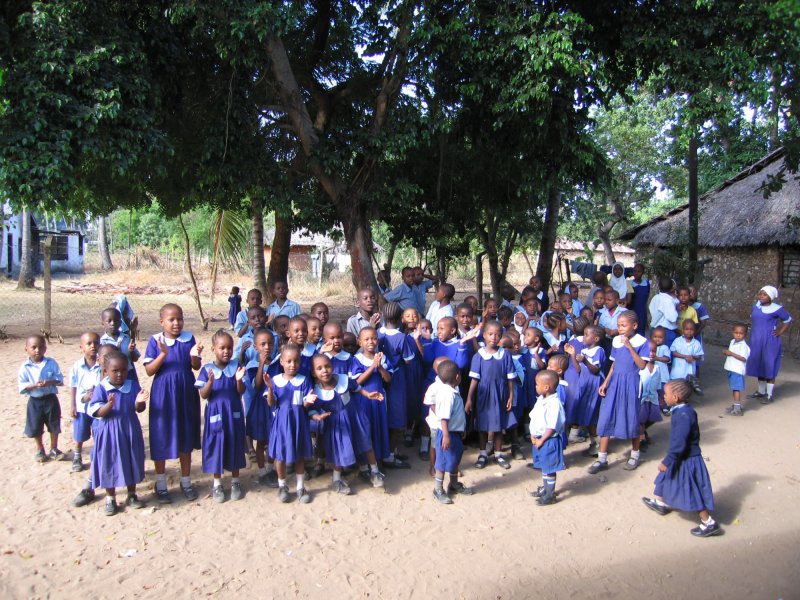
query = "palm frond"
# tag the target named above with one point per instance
(230, 240)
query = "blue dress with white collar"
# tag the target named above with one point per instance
(223, 429)
(289, 434)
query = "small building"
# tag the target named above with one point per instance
(747, 240)
(305, 249)
(68, 243)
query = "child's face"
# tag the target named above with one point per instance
(323, 369)
(573, 292)
(334, 337)
(670, 397)
(425, 327)
(598, 300)
(693, 293)
(516, 344)
(638, 272)
(532, 308)
(658, 337)
(418, 276)
(566, 303)
(172, 322)
(90, 344)
(35, 348)
(626, 327)
(349, 343)
(532, 337)
(764, 298)
(366, 301)
(491, 308)
(253, 298)
(116, 370)
(408, 277)
(290, 361)
(464, 318)
(298, 332)
(111, 320)
(617, 270)
(445, 330)
(554, 365)
(321, 313)
(588, 313)
(506, 319)
(739, 333)
(611, 301)
(368, 341)
(314, 330)
(281, 325)
(281, 290)
(440, 293)
(223, 349)
(264, 343)
(520, 320)
(411, 319)
(492, 335)
(590, 337)
(256, 318)
(687, 329)
(473, 302)
(544, 387)
(683, 296)
(536, 283)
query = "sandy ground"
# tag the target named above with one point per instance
(599, 541)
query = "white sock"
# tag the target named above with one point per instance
(281, 483)
(234, 480)
(424, 443)
(262, 471)
(710, 521)
(634, 455)
(762, 387)
(161, 481)
(217, 483)
(186, 481)
(602, 457)
(770, 387)
(299, 479)
(373, 468)
(337, 475)
(484, 453)
(78, 452)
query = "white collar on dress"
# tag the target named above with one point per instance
(228, 371)
(367, 362)
(498, 355)
(341, 355)
(385, 331)
(185, 336)
(341, 387)
(124, 388)
(769, 308)
(636, 341)
(309, 350)
(280, 380)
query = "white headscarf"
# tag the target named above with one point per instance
(620, 284)
(770, 291)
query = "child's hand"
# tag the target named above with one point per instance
(197, 350)
(162, 345)
(468, 407)
(326, 347)
(141, 400)
(74, 413)
(602, 390)
(132, 346)
(376, 362)
(445, 440)
(375, 396)
(626, 341)
(662, 467)
(689, 359)
(240, 373)
(509, 404)
(777, 333)
(537, 442)
(267, 380)
(321, 416)
(210, 373)
(375, 320)
(112, 398)
(88, 395)
(310, 399)
(245, 346)
(569, 349)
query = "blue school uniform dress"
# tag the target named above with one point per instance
(553, 341)
(224, 427)
(649, 411)
(289, 435)
(258, 414)
(548, 413)
(250, 353)
(641, 294)
(589, 406)
(118, 451)
(449, 406)
(685, 485)
(375, 411)
(531, 369)
(122, 342)
(341, 362)
(518, 404)
(174, 414)
(414, 384)
(680, 368)
(573, 378)
(619, 410)
(493, 372)
(347, 432)
(397, 349)
(234, 308)
(453, 349)
(121, 303)
(765, 348)
(83, 378)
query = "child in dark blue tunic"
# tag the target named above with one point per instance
(683, 482)
(235, 305)
(221, 384)
(118, 452)
(257, 412)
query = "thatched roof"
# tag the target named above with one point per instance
(735, 214)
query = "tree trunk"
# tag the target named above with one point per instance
(694, 220)
(544, 265)
(102, 244)
(604, 233)
(259, 266)
(387, 267)
(279, 256)
(479, 278)
(511, 242)
(196, 292)
(358, 235)
(25, 281)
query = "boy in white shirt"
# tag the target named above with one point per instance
(737, 354)
(547, 425)
(442, 307)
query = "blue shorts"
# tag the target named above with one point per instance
(735, 381)
(448, 460)
(82, 428)
(550, 457)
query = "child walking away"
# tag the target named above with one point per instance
(118, 453)
(770, 321)
(619, 410)
(683, 482)
(221, 384)
(174, 415)
(346, 434)
(737, 354)
(491, 392)
(288, 394)
(84, 375)
(686, 350)
(448, 410)
(38, 378)
(547, 426)
(235, 305)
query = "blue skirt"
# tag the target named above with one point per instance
(223, 437)
(649, 413)
(396, 399)
(258, 419)
(289, 437)
(686, 486)
(550, 457)
(337, 438)
(118, 452)
(378, 425)
(619, 410)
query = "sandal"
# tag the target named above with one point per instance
(502, 462)
(661, 509)
(481, 462)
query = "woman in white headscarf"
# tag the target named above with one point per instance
(620, 284)
(770, 322)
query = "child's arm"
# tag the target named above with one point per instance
(603, 386)
(510, 402)
(371, 395)
(141, 400)
(573, 356)
(205, 391)
(385, 375)
(240, 373)
(687, 357)
(473, 387)
(727, 352)
(73, 393)
(258, 380)
(243, 350)
(269, 392)
(637, 359)
(106, 409)
(539, 442)
(152, 367)
(195, 355)
(133, 353)
(539, 362)
(444, 425)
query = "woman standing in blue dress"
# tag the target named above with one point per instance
(770, 322)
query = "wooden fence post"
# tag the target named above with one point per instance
(47, 251)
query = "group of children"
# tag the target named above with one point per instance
(287, 387)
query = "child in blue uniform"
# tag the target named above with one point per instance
(84, 375)
(547, 426)
(113, 334)
(174, 414)
(592, 359)
(332, 339)
(619, 410)
(686, 351)
(574, 376)
(257, 412)
(234, 305)
(649, 412)
(221, 384)
(38, 378)
(346, 434)
(118, 452)
(241, 326)
(663, 359)
(683, 482)
(641, 296)
(288, 394)
(491, 393)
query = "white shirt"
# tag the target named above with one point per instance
(430, 400)
(82, 377)
(547, 413)
(450, 407)
(734, 365)
(663, 312)
(436, 313)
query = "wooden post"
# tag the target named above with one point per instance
(47, 247)
(479, 279)
(694, 220)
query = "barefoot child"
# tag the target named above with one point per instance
(118, 452)
(737, 354)
(38, 378)
(683, 482)
(547, 426)
(84, 375)
(174, 414)
(221, 384)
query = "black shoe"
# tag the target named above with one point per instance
(163, 496)
(707, 530)
(132, 501)
(317, 470)
(763, 400)
(83, 498)
(546, 499)
(442, 496)
(365, 476)
(597, 466)
(591, 451)
(460, 488)
(655, 506)
(189, 492)
(396, 463)
(111, 508)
